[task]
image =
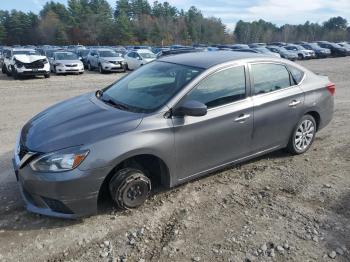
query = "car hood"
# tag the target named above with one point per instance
(28, 58)
(116, 59)
(68, 61)
(78, 121)
(149, 59)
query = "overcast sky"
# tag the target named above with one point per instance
(230, 11)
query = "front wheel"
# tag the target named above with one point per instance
(129, 188)
(303, 135)
(100, 69)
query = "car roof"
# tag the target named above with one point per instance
(209, 59)
(23, 49)
(142, 51)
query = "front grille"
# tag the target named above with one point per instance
(34, 65)
(74, 65)
(57, 206)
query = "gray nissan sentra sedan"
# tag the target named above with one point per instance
(173, 120)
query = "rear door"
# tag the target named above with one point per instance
(278, 104)
(224, 133)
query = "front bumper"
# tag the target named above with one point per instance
(64, 69)
(33, 71)
(71, 194)
(114, 67)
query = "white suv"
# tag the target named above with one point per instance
(20, 62)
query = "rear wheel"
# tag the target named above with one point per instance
(300, 56)
(89, 66)
(3, 69)
(129, 188)
(303, 135)
(47, 75)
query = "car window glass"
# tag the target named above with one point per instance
(151, 86)
(221, 88)
(296, 73)
(269, 77)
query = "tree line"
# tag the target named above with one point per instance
(92, 22)
(335, 29)
(132, 22)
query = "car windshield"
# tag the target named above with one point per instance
(84, 52)
(66, 56)
(313, 45)
(262, 50)
(150, 87)
(25, 52)
(108, 53)
(147, 55)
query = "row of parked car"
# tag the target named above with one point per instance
(31, 60)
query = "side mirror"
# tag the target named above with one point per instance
(191, 108)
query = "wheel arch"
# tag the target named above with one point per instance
(152, 165)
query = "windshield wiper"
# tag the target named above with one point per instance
(108, 100)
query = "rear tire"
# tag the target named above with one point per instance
(47, 75)
(89, 66)
(129, 188)
(3, 69)
(303, 135)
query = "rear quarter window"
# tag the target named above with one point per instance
(297, 74)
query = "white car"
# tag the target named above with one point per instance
(20, 62)
(136, 58)
(66, 62)
(302, 52)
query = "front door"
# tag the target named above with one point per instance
(221, 136)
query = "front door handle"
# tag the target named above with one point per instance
(242, 117)
(294, 103)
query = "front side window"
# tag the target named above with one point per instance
(269, 77)
(151, 86)
(220, 88)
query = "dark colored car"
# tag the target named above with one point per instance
(336, 50)
(168, 52)
(170, 121)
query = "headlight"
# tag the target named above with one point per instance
(59, 161)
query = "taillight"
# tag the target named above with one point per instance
(331, 88)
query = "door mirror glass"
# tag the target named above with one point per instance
(191, 108)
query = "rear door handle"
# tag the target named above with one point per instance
(242, 117)
(294, 103)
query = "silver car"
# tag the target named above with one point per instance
(105, 60)
(66, 62)
(171, 121)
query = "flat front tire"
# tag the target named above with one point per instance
(129, 188)
(303, 135)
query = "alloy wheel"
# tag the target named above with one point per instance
(304, 135)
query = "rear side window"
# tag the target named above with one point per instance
(296, 73)
(269, 78)
(220, 88)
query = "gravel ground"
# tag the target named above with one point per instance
(275, 208)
